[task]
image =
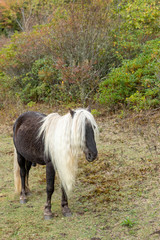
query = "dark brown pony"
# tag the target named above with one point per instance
(55, 141)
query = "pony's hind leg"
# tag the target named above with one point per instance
(64, 204)
(28, 167)
(50, 177)
(21, 162)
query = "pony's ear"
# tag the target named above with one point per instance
(88, 108)
(71, 112)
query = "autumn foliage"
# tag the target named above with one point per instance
(61, 51)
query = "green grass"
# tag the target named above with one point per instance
(128, 222)
(115, 197)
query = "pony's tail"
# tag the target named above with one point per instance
(17, 178)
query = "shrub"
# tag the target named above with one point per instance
(20, 15)
(40, 83)
(136, 84)
(134, 23)
(76, 40)
(65, 56)
(6, 89)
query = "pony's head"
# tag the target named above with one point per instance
(65, 137)
(86, 132)
(90, 149)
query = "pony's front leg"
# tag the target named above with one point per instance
(64, 204)
(50, 177)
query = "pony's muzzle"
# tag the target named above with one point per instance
(91, 156)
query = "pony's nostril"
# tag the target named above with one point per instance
(91, 156)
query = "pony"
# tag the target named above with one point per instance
(55, 141)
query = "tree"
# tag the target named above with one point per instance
(22, 15)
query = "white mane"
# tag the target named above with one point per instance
(64, 140)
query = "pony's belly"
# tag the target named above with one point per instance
(33, 158)
(39, 161)
(36, 160)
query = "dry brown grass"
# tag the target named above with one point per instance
(122, 185)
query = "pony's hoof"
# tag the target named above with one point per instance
(28, 193)
(23, 201)
(47, 212)
(66, 212)
(48, 217)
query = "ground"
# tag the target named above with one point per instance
(115, 197)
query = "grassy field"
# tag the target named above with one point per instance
(115, 197)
